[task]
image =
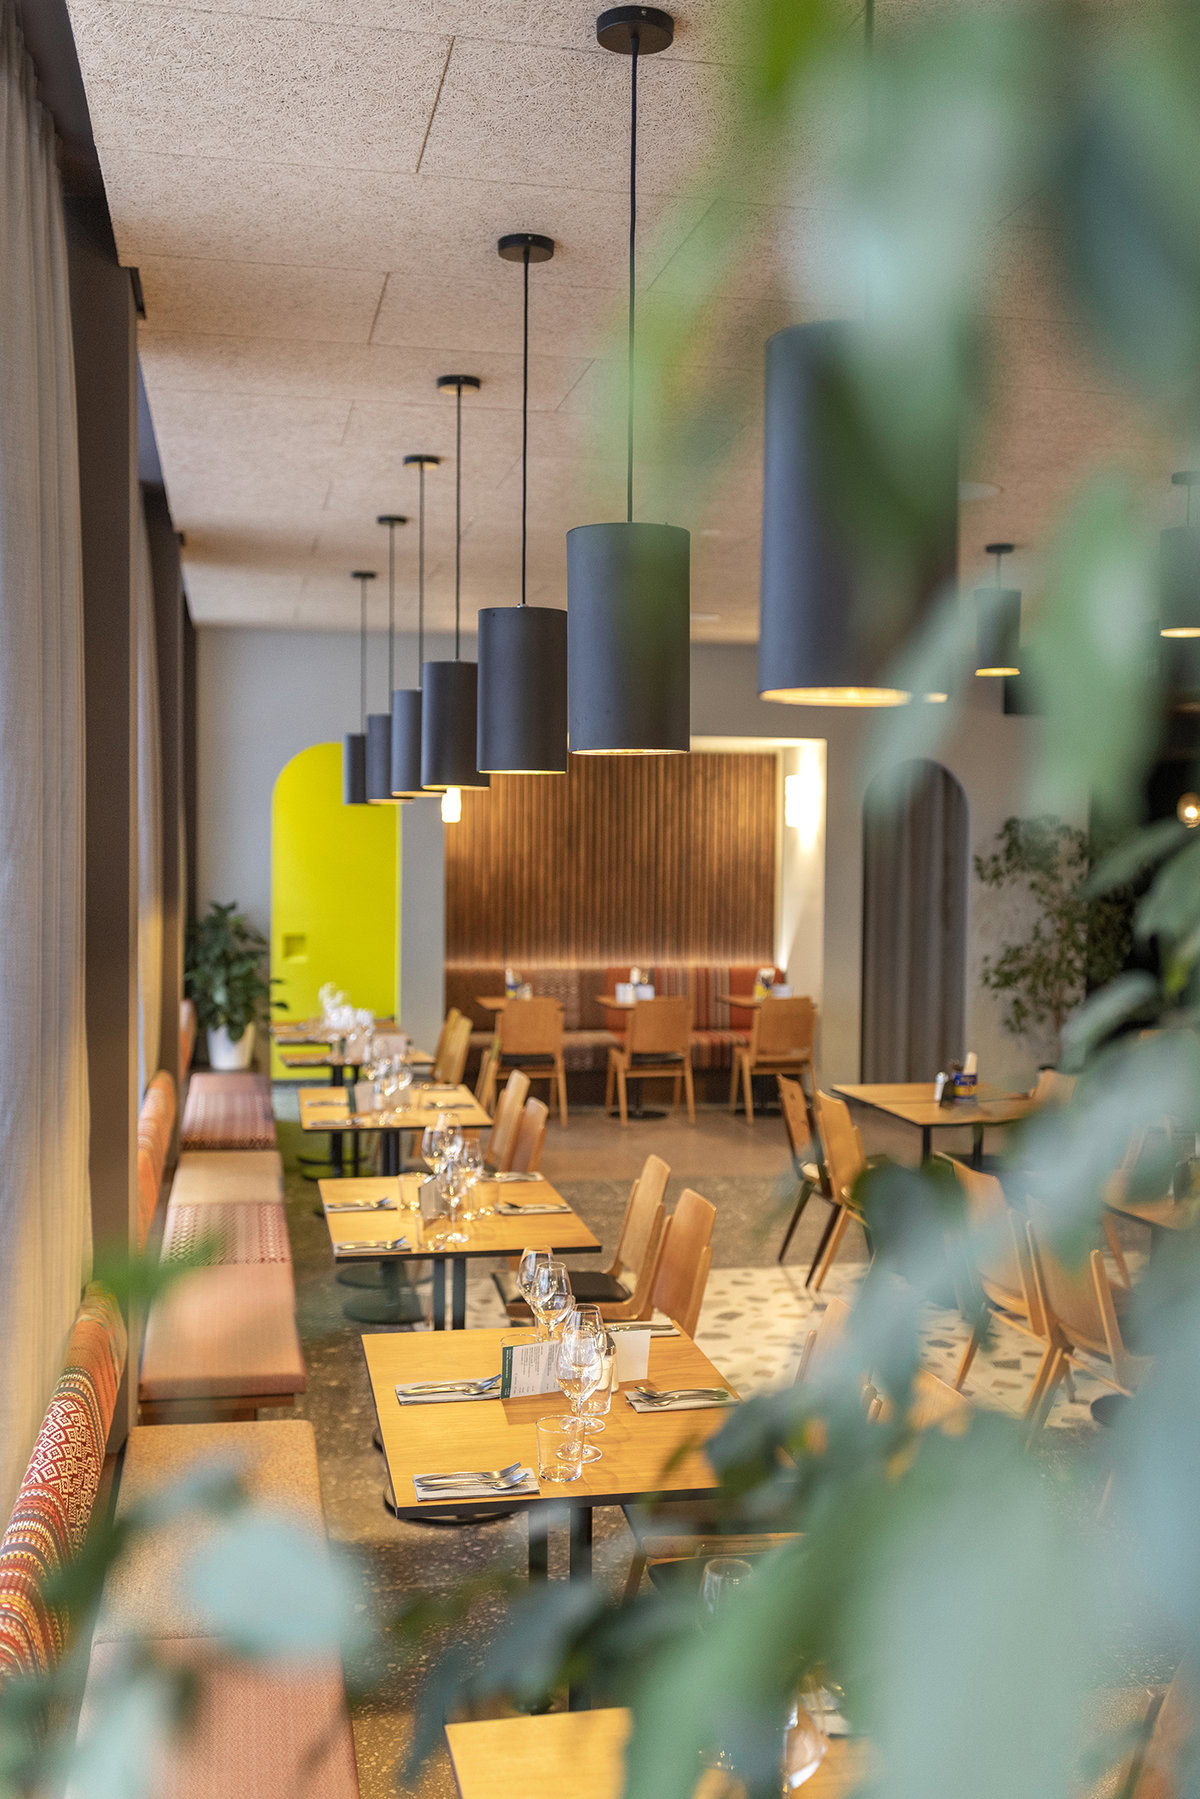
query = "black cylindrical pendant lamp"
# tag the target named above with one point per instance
(523, 649)
(449, 749)
(628, 585)
(406, 701)
(998, 623)
(379, 724)
(1180, 571)
(354, 744)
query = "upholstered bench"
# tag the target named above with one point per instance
(230, 1233)
(222, 1340)
(206, 1177)
(156, 1125)
(228, 1111)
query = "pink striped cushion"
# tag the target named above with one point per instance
(228, 1111)
(224, 1333)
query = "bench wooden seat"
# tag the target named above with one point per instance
(223, 1339)
(228, 1111)
(228, 1177)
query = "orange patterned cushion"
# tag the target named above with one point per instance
(243, 1233)
(54, 1506)
(228, 1111)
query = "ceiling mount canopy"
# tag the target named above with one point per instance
(354, 744)
(523, 649)
(1180, 599)
(449, 689)
(406, 701)
(998, 622)
(379, 724)
(628, 585)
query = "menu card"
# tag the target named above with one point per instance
(528, 1368)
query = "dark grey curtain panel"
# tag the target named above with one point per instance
(915, 866)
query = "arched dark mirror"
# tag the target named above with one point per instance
(915, 866)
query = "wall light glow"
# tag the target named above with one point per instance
(452, 805)
(804, 796)
(1188, 811)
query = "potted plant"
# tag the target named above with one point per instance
(223, 975)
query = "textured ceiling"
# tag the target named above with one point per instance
(313, 189)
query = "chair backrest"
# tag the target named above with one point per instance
(660, 1027)
(1068, 1295)
(531, 1136)
(684, 1259)
(531, 1027)
(502, 1143)
(452, 1058)
(488, 1064)
(841, 1144)
(999, 1248)
(1052, 1088)
(784, 1027)
(642, 1223)
(821, 1342)
(448, 1023)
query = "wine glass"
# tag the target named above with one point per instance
(470, 1162)
(527, 1267)
(551, 1295)
(433, 1144)
(579, 1368)
(452, 1186)
(598, 1404)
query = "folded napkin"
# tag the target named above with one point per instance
(449, 1496)
(680, 1405)
(510, 1210)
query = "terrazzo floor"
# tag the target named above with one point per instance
(753, 1322)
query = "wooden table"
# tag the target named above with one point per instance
(1161, 1216)
(912, 1102)
(496, 1235)
(643, 1453)
(328, 1109)
(583, 1753)
(303, 1058)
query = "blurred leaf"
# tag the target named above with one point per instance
(1136, 853)
(117, 1756)
(268, 1586)
(1129, 995)
(1172, 906)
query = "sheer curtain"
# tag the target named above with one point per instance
(45, 1219)
(149, 814)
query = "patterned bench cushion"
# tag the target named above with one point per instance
(54, 1506)
(224, 1333)
(228, 1111)
(714, 1049)
(237, 1233)
(228, 1177)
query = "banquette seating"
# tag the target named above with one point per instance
(259, 1730)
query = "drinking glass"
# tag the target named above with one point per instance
(527, 1267)
(804, 1741)
(470, 1161)
(433, 1144)
(559, 1446)
(722, 1576)
(598, 1404)
(452, 1187)
(580, 1370)
(551, 1295)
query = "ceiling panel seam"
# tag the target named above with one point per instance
(433, 110)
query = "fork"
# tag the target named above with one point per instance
(360, 1205)
(394, 1243)
(652, 1396)
(451, 1386)
(513, 1475)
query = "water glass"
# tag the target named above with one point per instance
(551, 1295)
(527, 1267)
(722, 1576)
(559, 1449)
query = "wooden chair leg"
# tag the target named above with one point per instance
(561, 1068)
(622, 1096)
(968, 1355)
(734, 1071)
(608, 1087)
(835, 1243)
(1041, 1396)
(690, 1090)
(806, 1192)
(823, 1245)
(1116, 1250)
(676, 1089)
(748, 1088)
(633, 1579)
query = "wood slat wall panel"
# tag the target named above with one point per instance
(640, 858)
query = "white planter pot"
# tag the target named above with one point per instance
(227, 1056)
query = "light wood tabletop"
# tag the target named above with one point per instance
(912, 1102)
(313, 1030)
(1159, 1214)
(495, 1235)
(642, 1453)
(314, 1056)
(583, 1753)
(328, 1109)
(740, 999)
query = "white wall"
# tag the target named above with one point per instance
(264, 695)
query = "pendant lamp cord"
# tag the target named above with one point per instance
(421, 575)
(391, 610)
(633, 118)
(457, 509)
(524, 422)
(362, 654)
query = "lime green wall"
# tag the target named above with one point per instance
(335, 884)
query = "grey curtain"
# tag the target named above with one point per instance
(915, 864)
(149, 814)
(45, 1216)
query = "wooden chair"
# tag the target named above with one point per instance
(657, 1046)
(1003, 1272)
(452, 1056)
(782, 1041)
(1052, 1088)
(530, 1037)
(531, 1136)
(684, 1259)
(800, 1122)
(845, 1160)
(1081, 1310)
(625, 1288)
(451, 1018)
(501, 1145)
(485, 1081)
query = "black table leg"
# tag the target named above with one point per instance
(458, 1293)
(394, 1303)
(580, 1569)
(926, 1143)
(539, 1546)
(977, 1147)
(439, 1294)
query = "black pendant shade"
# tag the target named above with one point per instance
(379, 760)
(998, 623)
(629, 585)
(522, 690)
(354, 744)
(449, 690)
(628, 639)
(448, 726)
(406, 743)
(830, 627)
(1180, 570)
